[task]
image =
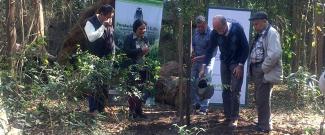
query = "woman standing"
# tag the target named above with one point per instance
(136, 47)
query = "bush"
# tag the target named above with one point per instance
(304, 87)
(48, 96)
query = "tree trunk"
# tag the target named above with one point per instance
(296, 28)
(22, 22)
(312, 52)
(40, 17)
(180, 67)
(77, 35)
(188, 63)
(11, 32)
(319, 21)
(38, 24)
(302, 30)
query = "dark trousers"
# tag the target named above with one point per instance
(95, 103)
(135, 104)
(96, 100)
(263, 92)
(231, 91)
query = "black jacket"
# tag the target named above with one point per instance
(102, 46)
(132, 52)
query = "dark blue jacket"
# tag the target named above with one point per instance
(129, 47)
(233, 47)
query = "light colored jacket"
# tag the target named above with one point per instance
(272, 64)
(322, 83)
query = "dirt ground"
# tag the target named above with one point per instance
(161, 118)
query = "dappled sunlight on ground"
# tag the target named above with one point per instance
(162, 117)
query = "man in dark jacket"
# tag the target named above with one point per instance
(233, 45)
(99, 31)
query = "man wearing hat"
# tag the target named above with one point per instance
(233, 45)
(265, 67)
(199, 45)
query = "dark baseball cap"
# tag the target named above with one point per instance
(259, 15)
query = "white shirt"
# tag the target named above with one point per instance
(93, 34)
(257, 54)
(229, 27)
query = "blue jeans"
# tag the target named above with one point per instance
(195, 70)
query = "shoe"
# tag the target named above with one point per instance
(132, 115)
(259, 129)
(139, 116)
(142, 116)
(197, 106)
(226, 121)
(233, 123)
(201, 112)
(92, 114)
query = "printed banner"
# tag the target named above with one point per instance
(232, 15)
(127, 11)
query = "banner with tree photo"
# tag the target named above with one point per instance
(127, 11)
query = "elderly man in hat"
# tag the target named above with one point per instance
(199, 45)
(233, 45)
(266, 67)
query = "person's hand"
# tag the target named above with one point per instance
(238, 71)
(106, 23)
(197, 58)
(194, 59)
(145, 50)
(202, 71)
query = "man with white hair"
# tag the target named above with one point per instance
(233, 45)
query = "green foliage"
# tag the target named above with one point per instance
(62, 9)
(304, 87)
(184, 130)
(45, 94)
(309, 131)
